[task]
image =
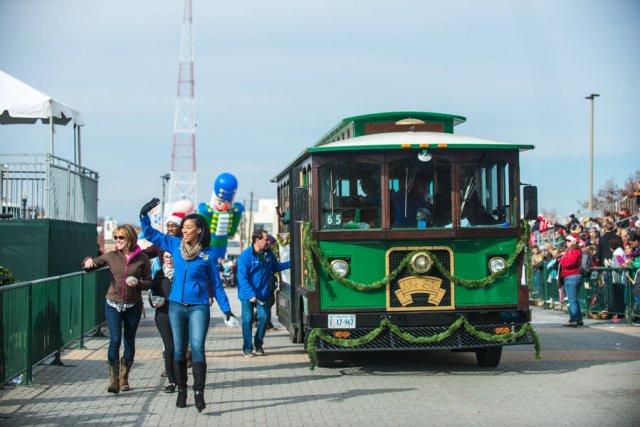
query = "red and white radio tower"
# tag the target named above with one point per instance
(182, 184)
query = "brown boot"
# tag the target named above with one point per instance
(125, 368)
(114, 372)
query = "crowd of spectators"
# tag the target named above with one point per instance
(610, 240)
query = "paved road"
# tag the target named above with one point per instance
(588, 376)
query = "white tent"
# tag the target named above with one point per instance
(20, 103)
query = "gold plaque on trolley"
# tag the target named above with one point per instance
(414, 291)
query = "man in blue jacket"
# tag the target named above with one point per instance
(256, 264)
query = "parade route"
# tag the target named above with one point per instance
(587, 376)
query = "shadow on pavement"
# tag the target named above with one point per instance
(292, 400)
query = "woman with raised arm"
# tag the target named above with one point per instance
(130, 274)
(195, 284)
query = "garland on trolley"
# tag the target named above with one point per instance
(311, 247)
(461, 322)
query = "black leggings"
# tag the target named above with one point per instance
(164, 327)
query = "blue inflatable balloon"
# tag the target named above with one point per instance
(225, 186)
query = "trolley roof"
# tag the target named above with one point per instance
(413, 140)
(407, 141)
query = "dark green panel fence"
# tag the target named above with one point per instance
(41, 317)
(33, 249)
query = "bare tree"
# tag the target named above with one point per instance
(610, 193)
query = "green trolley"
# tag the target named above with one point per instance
(405, 236)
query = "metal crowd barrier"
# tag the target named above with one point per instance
(41, 317)
(608, 291)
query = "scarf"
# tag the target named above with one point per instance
(168, 272)
(189, 252)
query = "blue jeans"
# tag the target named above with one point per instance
(189, 324)
(247, 321)
(572, 286)
(116, 319)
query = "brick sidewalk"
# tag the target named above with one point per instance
(587, 376)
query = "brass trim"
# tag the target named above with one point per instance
(303, 264)
(417, 248)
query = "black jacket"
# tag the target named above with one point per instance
(161, 286)
(604, 246)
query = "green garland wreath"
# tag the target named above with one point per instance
(461, 322)
(6, 277)
(311, 247)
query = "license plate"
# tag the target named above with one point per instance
(342, 321)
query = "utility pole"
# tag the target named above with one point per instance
(591, 98)
(165, 178)
(243, 226)
(250, 230)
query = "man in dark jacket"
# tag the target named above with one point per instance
(256, 266)
(604, 244)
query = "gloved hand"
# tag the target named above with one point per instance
(149, 205)
(131, 281)
(230, 320)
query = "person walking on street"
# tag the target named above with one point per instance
(572, 277)
(272, 246)
(196, 281)
(158, 299)
(174, 228)
(256, 265)
(130, 274)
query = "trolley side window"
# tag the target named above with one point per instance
(484, 195)
(350, 195)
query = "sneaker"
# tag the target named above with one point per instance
(570, 324)
(259, 352)
(171, 388)
(580, 322)
(248, 354)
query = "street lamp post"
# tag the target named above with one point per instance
(165, 178)
(591, 98)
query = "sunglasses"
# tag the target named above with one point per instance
(119, 238)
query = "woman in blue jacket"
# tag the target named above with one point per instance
(195, 284)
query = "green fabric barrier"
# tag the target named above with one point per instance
(34, 249)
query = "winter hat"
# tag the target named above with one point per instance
(176, 217)
(571, 239)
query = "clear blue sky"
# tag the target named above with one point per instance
(272, 77)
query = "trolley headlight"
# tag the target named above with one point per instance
(421, 262)
(340, 267)
(497, 264)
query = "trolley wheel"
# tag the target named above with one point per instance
(489, 357)
(299, 329)
(293, 334)
(325, 359)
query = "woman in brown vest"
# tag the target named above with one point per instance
(130, 273)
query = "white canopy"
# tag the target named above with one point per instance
(20, 103)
